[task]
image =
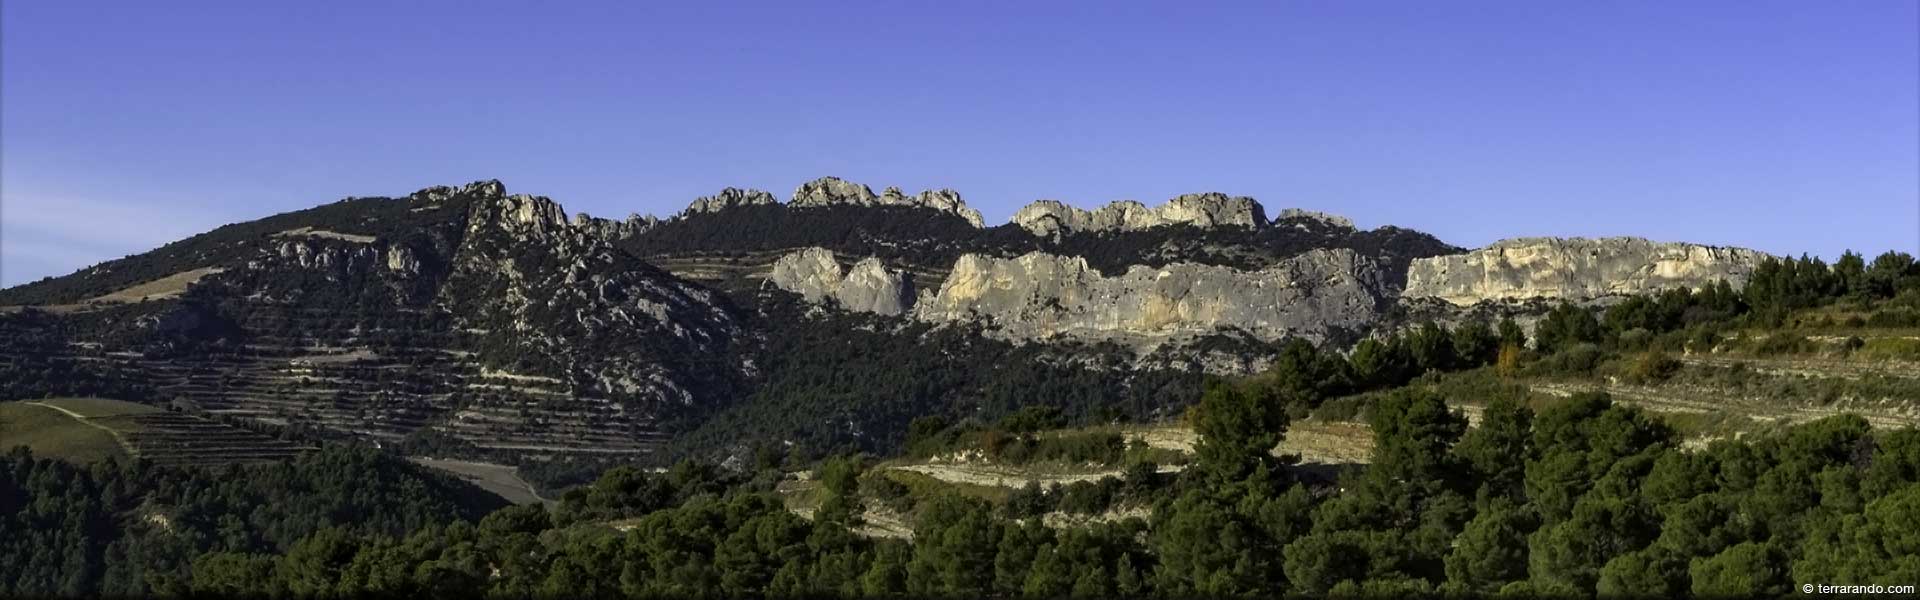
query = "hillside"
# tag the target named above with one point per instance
(384, 318)
(87, 430)
(1710, 440)
(55, 434)
(472, 324)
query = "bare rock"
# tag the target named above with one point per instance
(609, 229)
(1213, 209)
(829, 191)
(1316, 217)
(730, 198)
(869, 286)
(1041, 296)
(1575, 269)
(833, 191)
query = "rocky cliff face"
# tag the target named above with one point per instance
(1315, 217)
(488, 317)
(529, 279)
(869, 286)
(1575, 268)
(729, 198)
(610, 229)
(1050, 217)
(1042, 296)
(834, 191)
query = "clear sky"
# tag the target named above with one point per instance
(1785, 126)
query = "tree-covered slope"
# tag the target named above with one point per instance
(120, 529)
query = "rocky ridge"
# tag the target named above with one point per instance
(1324, 219)
(1575, 269)
(1213, 209)
(729, 198)
(635, 224)
(487, 317)
(834, 191)
(869, 286)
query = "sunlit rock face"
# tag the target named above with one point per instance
(729, 198)
(868, 286)
(1313, 216)
(1575, 269)
(1212, 209)
(1044, 296)
(834, 191)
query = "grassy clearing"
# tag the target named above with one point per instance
(164, 287)
(922, 486)
(53, 434)
(1904, 349)
(1330, 443)
(503, 480)
(100, 407)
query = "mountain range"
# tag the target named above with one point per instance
(469, 321)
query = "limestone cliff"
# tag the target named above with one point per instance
(729, 198)
(610, 229)
(834, 191)
(869, 286)
(1039, 296)
(1048, 217)
(1575, 268)
(1314, 216)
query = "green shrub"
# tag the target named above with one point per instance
(1344, 408)
(1890, 349)
(1652, 367)
(894, 494)
(1894, 318)
(1635, 339)
(1781, 344)
(1579, 359)
(1703, 340)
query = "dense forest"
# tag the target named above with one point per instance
(862, 378)
(134, 528)
(1582, 497)
(1577, 497)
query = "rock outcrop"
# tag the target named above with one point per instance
(1040, 296)
(525, 279)
(610, 229)
(1316, 217)
(1213, 209)
(869, 286)
(834, 191)
(729, 198)
(1575, 269)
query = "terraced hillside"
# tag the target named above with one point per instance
(483, 320)
(51, 433)
(86, 429)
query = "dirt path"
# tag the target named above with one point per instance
(1821, 368)
(1001, 476)
(1699, 402)
(117, 438)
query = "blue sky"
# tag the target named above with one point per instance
(1784, 126)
